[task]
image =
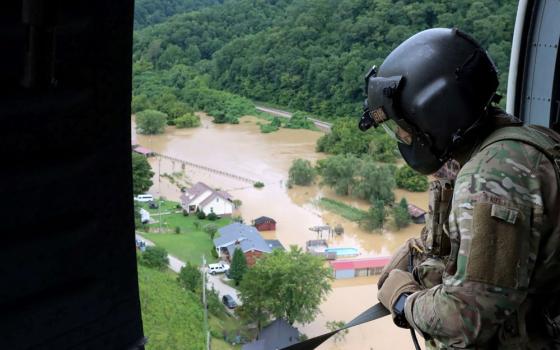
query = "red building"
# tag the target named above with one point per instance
(359, 267)
(264, 223)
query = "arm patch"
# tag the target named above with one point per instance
(497, 249)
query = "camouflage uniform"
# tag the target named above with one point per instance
(503, 271)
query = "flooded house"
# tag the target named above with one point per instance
(351, 268)
(241, 236)
(201, 197)
(417, 215)
(264, 223)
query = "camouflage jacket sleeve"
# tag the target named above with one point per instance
(495, 227)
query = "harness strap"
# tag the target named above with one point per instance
(373, 313)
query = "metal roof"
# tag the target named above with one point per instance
(247, 237)
(360, 263)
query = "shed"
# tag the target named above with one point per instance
(359, 267)
(417, 215)
(264, 223)
(144, 151)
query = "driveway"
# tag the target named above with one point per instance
(213, 281)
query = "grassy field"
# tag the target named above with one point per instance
(346, 211)
(191, 242)
(172, 317)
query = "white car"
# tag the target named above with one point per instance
(217, 268)
(144, 198)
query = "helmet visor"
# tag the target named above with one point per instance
(397, 132)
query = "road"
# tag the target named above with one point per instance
(213, 281)
(324, 126)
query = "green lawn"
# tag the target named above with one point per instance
(191, 243)
(346, 211)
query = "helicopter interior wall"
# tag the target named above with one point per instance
(68, 274)
(538, 102)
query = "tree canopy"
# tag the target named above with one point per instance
(141, 174)
(301, 172)
(238, 266)
(308, 55)
(289, 285)
(150, 122)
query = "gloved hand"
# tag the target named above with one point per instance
(400, 259)
(397, 283)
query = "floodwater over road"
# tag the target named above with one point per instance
(243, 150)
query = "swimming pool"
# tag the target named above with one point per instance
(340, 252)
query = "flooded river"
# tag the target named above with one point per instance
(243, 150)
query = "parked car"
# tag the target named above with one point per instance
(229, 302)
(153, 205)
(218, 268)
(146, 197)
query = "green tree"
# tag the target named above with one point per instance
(335, 325)
(238, 266)
(339, 172)
(301, 172)
(155, 257)
(189, 120)
(401, 215)
(285, 284)
(190, 277)
(141, 174)
(211, 229)
(150, 122)
(407, 178)
(375, 217)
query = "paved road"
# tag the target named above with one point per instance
(324, 126)
(213, 281)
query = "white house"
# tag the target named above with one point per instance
(202, 197)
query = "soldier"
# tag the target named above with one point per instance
(485, 273)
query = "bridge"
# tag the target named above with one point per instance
(206, 168)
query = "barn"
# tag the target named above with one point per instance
(264, 223)
(417, 215)
(358, 267)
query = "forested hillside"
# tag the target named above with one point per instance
(303, 54)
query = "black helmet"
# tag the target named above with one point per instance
(435, 88)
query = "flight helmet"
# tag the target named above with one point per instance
(431, 93)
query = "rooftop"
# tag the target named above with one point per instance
(360, 263)
(263, 219)
(247, 237)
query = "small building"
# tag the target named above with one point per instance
(246, 238)
(143, 151)
(417, 215)
(264, 223)
(144, 216)
(277, 335)
(358, 267)
(200, 197)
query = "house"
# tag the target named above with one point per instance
(417, 215)
(246, 238)
(201, 197)
(358, 267)
(277, 335)
(264, 223)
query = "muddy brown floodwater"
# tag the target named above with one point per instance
(243, 150)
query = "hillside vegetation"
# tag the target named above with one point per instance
(304, 54)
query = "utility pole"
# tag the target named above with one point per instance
(205, 304)
(158, 201)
